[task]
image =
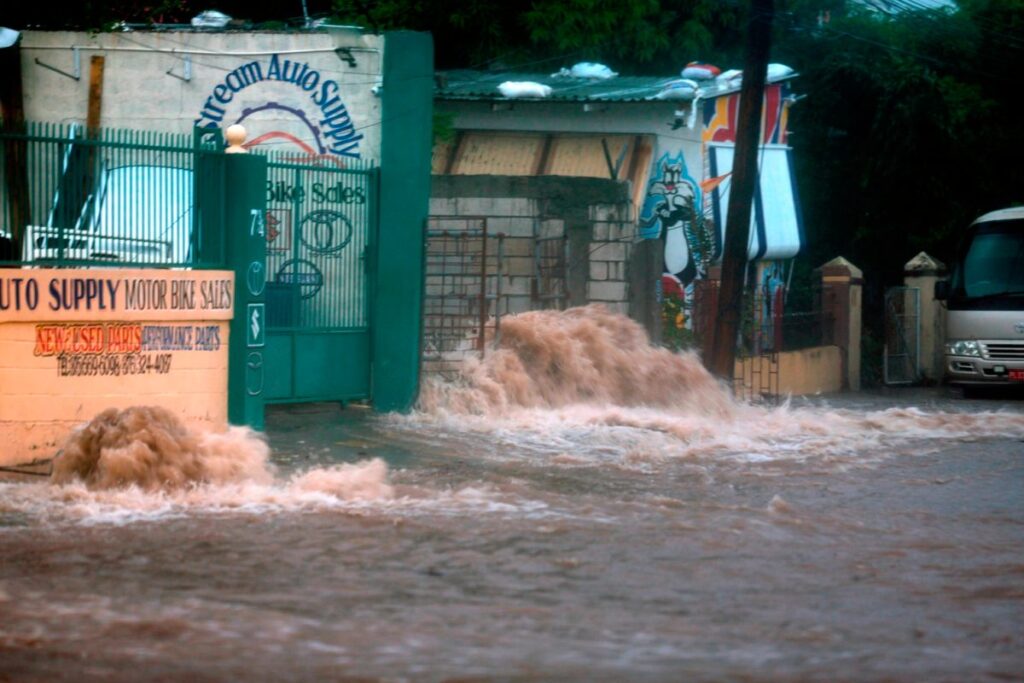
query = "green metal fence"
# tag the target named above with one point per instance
(319, 216)
(321, 223)
(109, 197)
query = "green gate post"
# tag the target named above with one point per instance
(245, 209)
(397, 308)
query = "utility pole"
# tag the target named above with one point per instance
(744, 180)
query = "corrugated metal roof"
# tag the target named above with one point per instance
(483, 85)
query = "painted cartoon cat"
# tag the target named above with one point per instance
(675, 213)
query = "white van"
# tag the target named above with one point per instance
(985, 304)
(137, 214)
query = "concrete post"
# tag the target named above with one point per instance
(245, 206)
(922, 272)
(841, 299)
(646, 263)
(579, 232)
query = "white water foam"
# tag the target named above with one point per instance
(587, 385)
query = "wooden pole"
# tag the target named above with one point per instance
(744, 181)
(92, 120)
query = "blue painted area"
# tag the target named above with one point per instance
(659, 191)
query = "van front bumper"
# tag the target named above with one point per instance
(997, 362)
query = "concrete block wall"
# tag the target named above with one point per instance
(592, 215)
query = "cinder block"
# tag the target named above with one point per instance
(618, 307)
(521, 227)
(519, 266)
(608, 251)
(516, 286)
(518, 246)
(599, 270)
(475, 206)
(443, 206)
(519, 304)
(552, 228)
(606, 291)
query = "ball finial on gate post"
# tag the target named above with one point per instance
(236, 136)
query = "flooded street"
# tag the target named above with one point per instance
(539, 534)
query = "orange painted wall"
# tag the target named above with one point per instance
(67, 352)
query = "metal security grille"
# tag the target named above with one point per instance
(758, 342)
(317, 245)
(901, 362)
(463, 290)
(106, 197)
(320, 224)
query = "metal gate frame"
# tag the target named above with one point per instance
(321, 224)
(463, 294)
(901, 359)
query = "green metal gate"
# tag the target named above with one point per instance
(320, 228)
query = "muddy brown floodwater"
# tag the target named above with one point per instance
(578, 507)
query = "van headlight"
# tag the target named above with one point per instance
(963, 347)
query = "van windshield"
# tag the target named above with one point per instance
(992, 262)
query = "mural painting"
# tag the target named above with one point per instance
(721, 113)
(670, 209)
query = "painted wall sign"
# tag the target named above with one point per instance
(721, 115)
(51, 294)
(75, 342)
(331, 129)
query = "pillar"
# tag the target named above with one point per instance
(245, 207)
(921, 273)
(842, 301)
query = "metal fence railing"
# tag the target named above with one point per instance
(464, 273)
(108, 197)
(318, 222)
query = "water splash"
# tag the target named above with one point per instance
(586, 355)
(150, 448)
(586, 385)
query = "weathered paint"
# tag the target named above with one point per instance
(94, 339)
(291, 90)
(396, 315)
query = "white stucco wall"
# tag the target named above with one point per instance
(235, 77)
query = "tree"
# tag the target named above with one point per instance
(908, 131)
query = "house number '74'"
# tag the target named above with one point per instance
(256, 225)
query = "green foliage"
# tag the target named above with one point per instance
(909, 130)
(443, 126)
(675, 318)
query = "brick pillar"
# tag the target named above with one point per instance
(841, 299)
(921, 273)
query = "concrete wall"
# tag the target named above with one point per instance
(817, 370)
(592, 215)
(291, 90)
(75, 342)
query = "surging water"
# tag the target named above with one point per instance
(574, 388)
(148, 447)
(577, 506)
(586, 383)
(587, 355)
(144, 463)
